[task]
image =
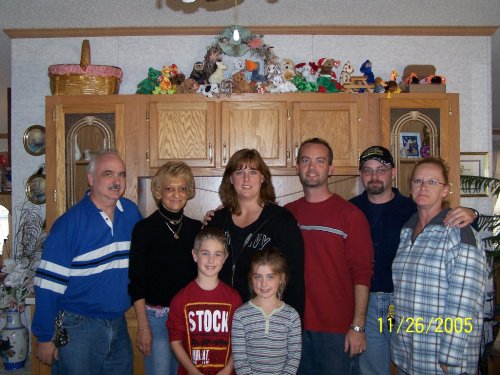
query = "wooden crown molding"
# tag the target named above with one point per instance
(266, 30)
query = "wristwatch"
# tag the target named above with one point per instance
(357, 328)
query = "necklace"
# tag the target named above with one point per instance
(171, 221)
(175, 233)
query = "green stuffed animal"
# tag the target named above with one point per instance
(147, 85)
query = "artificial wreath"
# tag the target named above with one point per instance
(226, 45)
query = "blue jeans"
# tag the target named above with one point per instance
(376, 360)
(161, 361)
(323, 353)
(96, 346)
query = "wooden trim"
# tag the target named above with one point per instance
(266, 30)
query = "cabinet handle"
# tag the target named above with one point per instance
(296, 150)
(359, 116)
(210, 153)
(54, 195)
(287, 154)
(288, 113)
(224, 152)
(450, 112)
(147, 155)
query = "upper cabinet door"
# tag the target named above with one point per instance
(258, 125)
(182, 130)
(336, 122)
(76, 129)
(416, 126)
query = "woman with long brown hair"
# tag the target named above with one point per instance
(252, 221)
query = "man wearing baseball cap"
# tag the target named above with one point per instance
(387, 211)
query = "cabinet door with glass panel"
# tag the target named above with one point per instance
(416, 126)
(74, 131)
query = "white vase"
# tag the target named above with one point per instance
(78, 153)
(15, 341)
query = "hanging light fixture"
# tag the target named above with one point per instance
(236, 33)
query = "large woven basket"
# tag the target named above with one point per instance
(84, 79)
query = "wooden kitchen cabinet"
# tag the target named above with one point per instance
(343, 120)
(181, 130)
(259, 124)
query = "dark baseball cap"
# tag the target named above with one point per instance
(378, 153)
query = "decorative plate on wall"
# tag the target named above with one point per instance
(35, 188)
(34, 140)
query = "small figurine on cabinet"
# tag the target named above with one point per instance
(218, 75)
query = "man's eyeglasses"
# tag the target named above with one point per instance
(378, 171)
(429, 183)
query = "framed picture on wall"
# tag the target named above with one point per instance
(474, 164)
(409, 144)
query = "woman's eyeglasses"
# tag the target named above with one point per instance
(429, 183)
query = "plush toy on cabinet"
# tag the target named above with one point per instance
(366, 69)
(218, 75)
(287, 69)
(197, 73)
(345, 75)
(307, 71)
(188, 86)
(209, 90)
(241, 85)
(147, 85)
(379, 85)
(254, 67)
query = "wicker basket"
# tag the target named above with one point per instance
(84, 79)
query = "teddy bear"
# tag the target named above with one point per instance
(188, 86)
(241, 84)
(287, 69)
(147, 85)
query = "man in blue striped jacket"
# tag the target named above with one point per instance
(83, 278)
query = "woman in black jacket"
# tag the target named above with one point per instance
(252, 221)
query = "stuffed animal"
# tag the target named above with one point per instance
(326, 67)
(226, 87)
(218, 75)
(273, 73)
(303, 85)
(326, 84)
(209, 90)
(345, 75)
(307, 71)
(213, 55)
(366, 69)
(238, 66)
(197, 73)
(254, 67)
(287, 69)
(147, 85)
(379, 85)
(240, 82)
(188, 86)
(392, 88)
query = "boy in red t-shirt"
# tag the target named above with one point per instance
(200, 317)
